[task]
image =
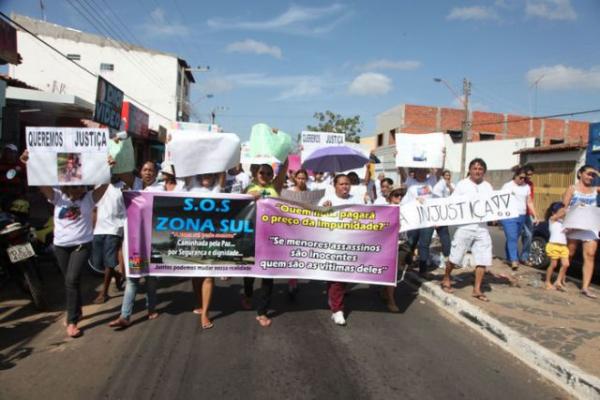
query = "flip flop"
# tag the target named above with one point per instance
(119, 323)
(588, 294)
(447, 288)
(73, 332)
(481, 297)
(208, 325)
(152, 315)
(197, 311)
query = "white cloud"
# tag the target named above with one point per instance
(562, 77)
(476, 13)
(290, 87)
(370, 83)
(297, 19)
(402, 65)
(160, 26)
(551, 9)
(253, 47)
(473, 105)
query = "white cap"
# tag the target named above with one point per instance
(167, 168)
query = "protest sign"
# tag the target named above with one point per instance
(247, 158)
(174, 234)
(346, 244)
(264, 142)
(122, 153)
(306, 196)
(201, 152)
(420, 150)
(311, 141)
(458, 210)
(67, 156)
(585, 218)
(109, 102)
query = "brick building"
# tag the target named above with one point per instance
(410, 118)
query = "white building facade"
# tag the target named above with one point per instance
(152, 78)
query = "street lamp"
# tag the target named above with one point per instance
(466, 123)
(213, 113)
(181, 81)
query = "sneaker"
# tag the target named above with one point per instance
(338, 318)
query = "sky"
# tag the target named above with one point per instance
(280, 62)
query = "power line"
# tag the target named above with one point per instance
(7, 18)
(569, 114)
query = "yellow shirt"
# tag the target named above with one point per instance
(265, 191)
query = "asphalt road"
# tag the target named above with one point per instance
(418, 354)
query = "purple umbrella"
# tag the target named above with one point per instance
(335, 159)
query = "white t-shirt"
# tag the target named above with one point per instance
(338, 201)
(431, 181)
(318, 185)
(359, 191)
(72, 219)
(160, 187)
(521, 192)
(441, 189)
(110, 215)
(418, 190)
(380, 201)
(557, 232)
(467, 187)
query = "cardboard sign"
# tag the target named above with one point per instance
(266, 143)
(420, 150)
(122, 153)
(109, 102)
(67, 156)
(201, 152)
(312, 141)
(458, 210)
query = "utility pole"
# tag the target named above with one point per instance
(466, 128)
(181, 87)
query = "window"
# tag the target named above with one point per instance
(74, 57)
(380, 140)
(487, 136)
(392, 139)
(456, 136)
(557, 141)
(107, 67)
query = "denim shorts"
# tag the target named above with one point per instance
(105, 251)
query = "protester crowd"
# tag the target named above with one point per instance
(89, 223)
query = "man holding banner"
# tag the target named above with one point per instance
(472, 237)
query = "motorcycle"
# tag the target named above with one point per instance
(18, 259)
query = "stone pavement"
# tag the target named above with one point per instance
(523, 315)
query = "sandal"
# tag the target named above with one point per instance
(119, 323)
(481, 296)
(207, 325)
(447, 287)
(264, 321)
(197, 311)
(73, 331)
(560, 288)
(152, 315)
(588, 294)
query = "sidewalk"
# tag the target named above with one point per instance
(529, 320)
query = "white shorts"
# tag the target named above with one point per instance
(580, 234)
(477, 241)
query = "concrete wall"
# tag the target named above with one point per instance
(46, 70)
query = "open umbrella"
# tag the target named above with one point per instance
(335, 159)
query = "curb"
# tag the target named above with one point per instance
(555, 368)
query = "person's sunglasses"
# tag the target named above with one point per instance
(396, 194)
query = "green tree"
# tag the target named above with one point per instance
(332, 122)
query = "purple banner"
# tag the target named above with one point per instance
(347, 244)
(175, 234)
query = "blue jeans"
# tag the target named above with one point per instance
(444, 235)
(421, 238)
(131, 290)
(512, 231)
(526, 238)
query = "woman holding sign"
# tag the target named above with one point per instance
(335, 290)
(263, 185)
(583, 194)
(73, 235)
(513, 227)
(203, 287)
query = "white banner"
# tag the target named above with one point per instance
(420, 150)
(458, 210)
(67, 156)
(201, 152)
(312, 141)
(584, 218)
